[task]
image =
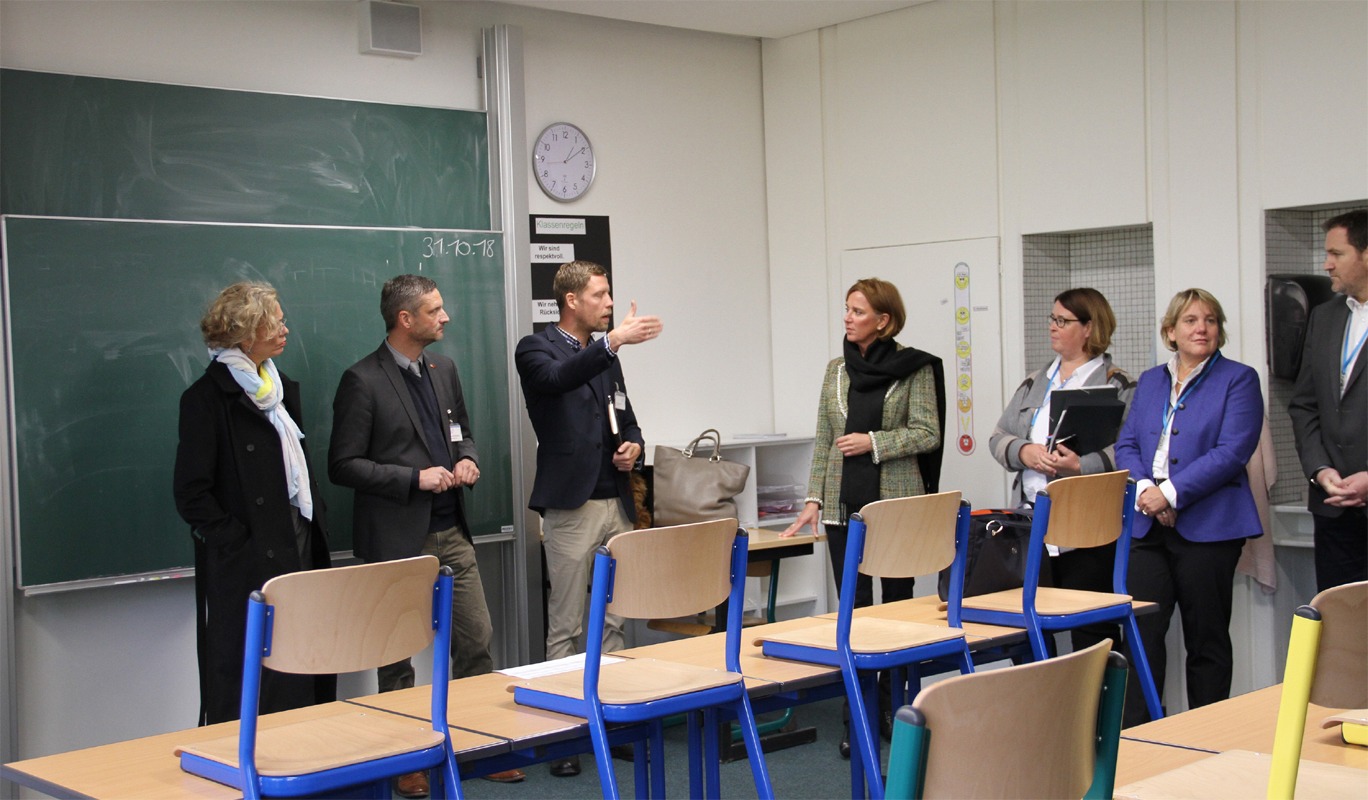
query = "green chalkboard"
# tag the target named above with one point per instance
(127, 207)
(96, 147)
(104, 337)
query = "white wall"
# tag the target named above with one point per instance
(736, 186)
(676, 118)
(1063, 116)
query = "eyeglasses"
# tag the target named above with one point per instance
(1060, 322)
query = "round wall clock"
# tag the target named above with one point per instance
(563, 161)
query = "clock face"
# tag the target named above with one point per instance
(563, 161)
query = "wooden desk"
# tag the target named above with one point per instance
(1136, 760)
(147, 768)
(927, 610)
(768, 545)
(764, 676)
(482, 706)
(1247, 722)
(1241, 773)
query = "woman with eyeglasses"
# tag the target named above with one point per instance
(1081, 324)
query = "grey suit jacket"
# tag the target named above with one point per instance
(1331, 430)
(377, 448)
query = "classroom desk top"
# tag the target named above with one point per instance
(147, 768)
(768, 539)
(763, 675)
(1136, 760)
(1247, 722)
(481, 705)
(927, 610)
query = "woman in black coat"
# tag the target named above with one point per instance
(243, 483)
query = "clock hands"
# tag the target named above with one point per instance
(572, 154)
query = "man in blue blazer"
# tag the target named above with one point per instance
(1329, 407)
(587, 443)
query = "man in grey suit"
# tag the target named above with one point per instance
(401, 438)
(1329, 407)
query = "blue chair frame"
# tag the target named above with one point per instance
(859, 670)
(375, 773)
(704, 734)
(1038, 624)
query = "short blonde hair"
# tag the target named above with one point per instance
(1179, 303)
(239, 312)
(571, 278)
(883, 298)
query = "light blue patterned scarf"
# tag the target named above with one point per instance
(263, 387)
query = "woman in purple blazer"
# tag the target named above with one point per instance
(1193, 425)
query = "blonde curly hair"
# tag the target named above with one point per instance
(239, 313)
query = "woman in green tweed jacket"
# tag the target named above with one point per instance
(879, 427)
(879, 435)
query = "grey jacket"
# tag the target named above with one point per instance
(1013, 429)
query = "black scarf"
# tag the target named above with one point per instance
(870, 376)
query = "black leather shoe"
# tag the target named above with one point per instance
(844, 746)
(623, 752)
(566, 767)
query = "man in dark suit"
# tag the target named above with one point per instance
(1329, 407)
(587, 443)
(401, 438)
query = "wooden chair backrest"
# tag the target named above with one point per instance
(1085, 510)
(1026, 731)
(672, 572)
(348, 619)
(910, 536)
(1342, 662)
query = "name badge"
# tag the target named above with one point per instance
(620, 401)
(455, 429)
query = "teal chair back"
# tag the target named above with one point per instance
(1045, 729)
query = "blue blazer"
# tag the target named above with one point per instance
(567, 394)
(1215, 431)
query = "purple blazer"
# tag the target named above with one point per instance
(1215, 431)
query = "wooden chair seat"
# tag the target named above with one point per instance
(328, 743)
(1049, 601)
(636, 680)
(700, 625)
(1240, 773)
(867, 635)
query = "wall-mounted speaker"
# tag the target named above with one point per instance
(391, 29)
(1288, 300)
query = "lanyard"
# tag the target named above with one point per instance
(1049, 387)
(1347, 356)
(1169, 407)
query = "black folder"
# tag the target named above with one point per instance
(1085, 420)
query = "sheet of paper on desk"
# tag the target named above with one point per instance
(567, 664)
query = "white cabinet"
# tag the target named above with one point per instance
(772, 498)
(778, 479)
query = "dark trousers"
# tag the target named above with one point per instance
(1199, 578)
(1341, 548)
(893, 588)
(1088, 570)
